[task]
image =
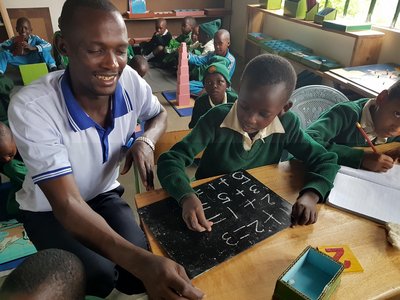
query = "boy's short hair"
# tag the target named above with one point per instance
(394, 91)
(269, 69)
(5, 133)
(21, 21)
(188, 19)
(60, 271)
(225, 34)
(139, 64)
(65, 20)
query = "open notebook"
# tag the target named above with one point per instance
(372, 195)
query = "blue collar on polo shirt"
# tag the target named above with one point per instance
(79, 120)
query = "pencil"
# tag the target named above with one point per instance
(358, 125)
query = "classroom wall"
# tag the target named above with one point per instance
(53, 5)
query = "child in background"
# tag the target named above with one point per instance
(160, 39)
(216, 81)
(222, 40)
(195, 47)
(47, 275)
(187, 26)
(12, 166)
(380, 119)
(140, 64)
(206, 35)
(25, 48)
(256, 129)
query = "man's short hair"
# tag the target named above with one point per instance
(65, 21)
(269, 69)
(60, 271)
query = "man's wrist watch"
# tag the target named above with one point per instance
(148, 141)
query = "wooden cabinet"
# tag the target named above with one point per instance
(144, 27)
(348, 48)
(6, 29)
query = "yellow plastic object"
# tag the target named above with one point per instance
(32, 72)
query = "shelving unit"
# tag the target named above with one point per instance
(143, 28)
(349, 48)
(6, 30)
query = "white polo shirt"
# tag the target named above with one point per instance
(55, 137)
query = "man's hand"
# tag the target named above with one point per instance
(143, 157)
(193, 214)
(304, 211)
(377, 162)
(165, 279)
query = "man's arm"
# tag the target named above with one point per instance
(141, 152)
(161, 276)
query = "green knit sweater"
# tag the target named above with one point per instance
(202, 105)
(336, 131)
(224, 153)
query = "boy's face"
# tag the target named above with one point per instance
(97, 52)
(186, 27)
(215, 85)
(387, 117)
(8, 149)
(161, 27)
(221, 45)
(257, 107)
(24, 29)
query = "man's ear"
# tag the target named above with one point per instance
(382, 97)
(285, 108)
(61, 45)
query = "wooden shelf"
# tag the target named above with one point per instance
(172, 18)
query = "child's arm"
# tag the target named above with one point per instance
(199, 60)
(6, 45)
(16, 171)
(329, 126)
(40, 44)
(377, 162)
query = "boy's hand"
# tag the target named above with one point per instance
(165, 279)
(28, 47)
(394, 154)
(193, 214)
(304, 211)
(377, 162)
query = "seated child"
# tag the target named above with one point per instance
(160, 39)
(47, 275)
(379, 117)
(216, 81)
(195, 47)
(256, 129)
(140, 64)
(12, 166)
(222, 41)
(206, 35)
(187, 26)
(25, 48)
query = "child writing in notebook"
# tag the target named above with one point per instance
(216, 81)
(379, 118)
(249, 133)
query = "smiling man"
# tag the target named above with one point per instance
(70, 128)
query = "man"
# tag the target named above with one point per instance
(70, 128)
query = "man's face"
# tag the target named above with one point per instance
(97, 52)
(24, 29)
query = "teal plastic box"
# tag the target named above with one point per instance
(312, 276)
(295, 9)
(328, 13)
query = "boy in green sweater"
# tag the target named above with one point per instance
(380, 119)
(249, 133)
(216, 81)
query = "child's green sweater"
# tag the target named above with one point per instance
(202, 105)
(336, 131)
(224, 153)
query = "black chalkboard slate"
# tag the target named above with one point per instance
(244, 212)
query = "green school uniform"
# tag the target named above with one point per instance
(336, 131)
(202, 105)
(224, 153)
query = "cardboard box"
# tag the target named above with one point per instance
(312, 276)
(346, 25)
(295, 9)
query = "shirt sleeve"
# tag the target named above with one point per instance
(199, 60)
(40, 44)
(38, 140)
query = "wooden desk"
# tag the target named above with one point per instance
(253, 273)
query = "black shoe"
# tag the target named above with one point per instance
(52, 69)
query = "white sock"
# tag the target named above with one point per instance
(149, 56)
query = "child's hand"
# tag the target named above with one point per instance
(377, 162)
(304, 211)
(394, 154)
(193, 214)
